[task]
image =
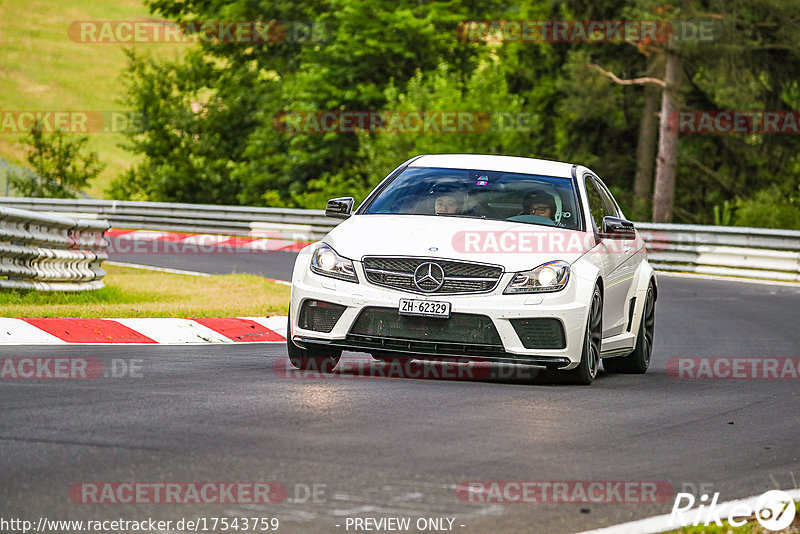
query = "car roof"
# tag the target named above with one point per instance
(495, 163)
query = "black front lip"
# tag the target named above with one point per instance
(434, 350)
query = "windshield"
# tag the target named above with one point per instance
(495, 195)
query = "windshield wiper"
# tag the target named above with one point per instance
(459, 215)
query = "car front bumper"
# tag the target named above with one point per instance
(570, 306)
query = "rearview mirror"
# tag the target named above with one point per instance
(339, 208)
(616, 228)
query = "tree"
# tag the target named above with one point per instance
(60, 166)
(210, 130)
(749, 63)
(229, 151)
(664, 189)
(647, 142)
(497, 125)
(197, 117)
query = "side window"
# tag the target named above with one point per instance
(608, 202)
(596, 204)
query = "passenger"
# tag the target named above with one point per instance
(447, 203)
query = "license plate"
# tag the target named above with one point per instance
(425, 308)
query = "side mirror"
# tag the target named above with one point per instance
(339, 208)
(616, 228)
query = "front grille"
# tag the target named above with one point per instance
(461, 328)
(319, 316)
(540, 333)
(459, 276)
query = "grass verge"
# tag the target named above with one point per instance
(43, 69)
(140, 293)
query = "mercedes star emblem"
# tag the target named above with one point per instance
(429, 277)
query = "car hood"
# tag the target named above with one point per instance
(515, 246)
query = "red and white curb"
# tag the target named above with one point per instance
(56, 331)
(180, 242)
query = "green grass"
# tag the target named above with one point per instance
(141, 293)
(42, 69)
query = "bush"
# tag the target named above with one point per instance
(769, 208)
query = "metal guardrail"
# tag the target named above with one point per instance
(295, 224)
(717, 250)
(761, 253)
(50, 252)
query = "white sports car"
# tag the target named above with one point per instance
(492, 258)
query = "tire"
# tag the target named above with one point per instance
(638, 361)
(322, 359)
(585, 373)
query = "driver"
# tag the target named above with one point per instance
(539, 203)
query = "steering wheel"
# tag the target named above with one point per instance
(482, 209)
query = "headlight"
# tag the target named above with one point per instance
(552, 276)
(327, 262)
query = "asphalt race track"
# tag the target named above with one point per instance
(272, 264)
(398, 447)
